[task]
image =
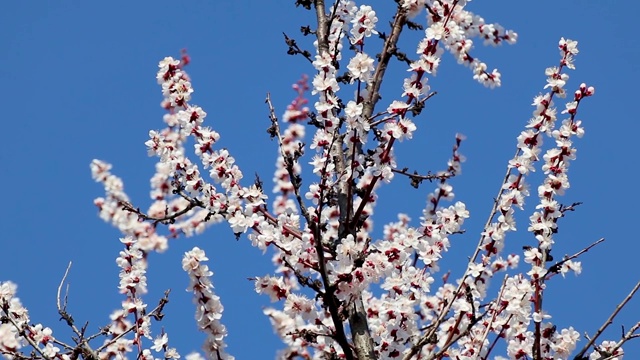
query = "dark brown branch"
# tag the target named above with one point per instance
(555, 268)
(193, 203)
(294, 49)
(388, 49)
(417, 179)
(306, 281)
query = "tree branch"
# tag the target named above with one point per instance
(608, 322)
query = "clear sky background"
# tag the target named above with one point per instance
(79, 83)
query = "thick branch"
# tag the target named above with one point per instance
(323, 27)
(389, 47)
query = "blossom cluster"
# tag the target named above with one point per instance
(291, 148)
(113, 209)
(208, 306)
(17, 331)
(454, 26)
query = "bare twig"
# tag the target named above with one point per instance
(416, 178)
(294, 49)
(82, 342)
(64, 307)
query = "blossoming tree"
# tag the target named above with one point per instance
(344, 291)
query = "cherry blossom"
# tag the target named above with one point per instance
(344, 286)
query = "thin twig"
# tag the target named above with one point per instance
(553, 269)
(295, 49)
(389, 47)
(288, 160)
(495, 314)
(608, 322)
(626, 337)
(82, 343)
(60, 307)
(193, 203)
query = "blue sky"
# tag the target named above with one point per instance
(80, 84)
